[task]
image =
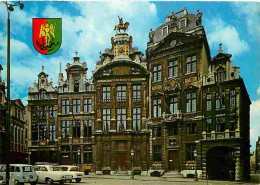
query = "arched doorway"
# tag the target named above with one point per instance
(221, 163)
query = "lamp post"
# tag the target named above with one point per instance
(29, 157)
(10, 8)
(132, 160)
(196, 174)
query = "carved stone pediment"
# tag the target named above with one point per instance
(173, 85)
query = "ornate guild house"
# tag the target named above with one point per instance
(178, 111)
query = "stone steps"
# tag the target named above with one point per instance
(173, 174)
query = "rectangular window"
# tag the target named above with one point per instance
(88, 157)
(173, 130)
(106, 120)
(157, 73)
(65, 129)
(157, 109)
(52, 112)
(34, 132)
(121, 93)
(106, 93)
(191, 128)
(121, 119)
(190, 148)
(42, 132)
(65, 106)
(232, 98)
(191, 102)
(157, 153)
(165, 31)
(209, 125)
(136, 93)
(52, 133)
(157, 132)
(87, 128)
(76, 106)
(35, 97)
(137, 119)
(182, 23)
(76, 128)
(172, 69)
(173, 105)
(42, 112)
(208, 102)
(220, 124)
(191, 64)
(88, 105)
(220, 100)
(50, 96)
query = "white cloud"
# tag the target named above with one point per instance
(250, 12)
(221, 32)
(255, 121)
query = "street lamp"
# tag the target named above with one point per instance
(10, 8)
(196, 174)
(29, 157)
(132, 160)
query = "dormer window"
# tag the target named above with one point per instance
(182, 23)
(165, 30)
(76, 86)
(43, 94)
(221, 75)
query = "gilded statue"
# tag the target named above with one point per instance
(46, 30)
(121, 25)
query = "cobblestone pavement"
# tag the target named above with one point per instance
(146, 180)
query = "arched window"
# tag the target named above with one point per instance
(221, 75)
(43, 94)
(76, 86)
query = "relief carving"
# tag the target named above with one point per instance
(173, 84)
(156, 87)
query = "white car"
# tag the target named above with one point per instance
(19, 174)
(50, 174)
(74, 171)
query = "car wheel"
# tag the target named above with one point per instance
(78, 180)
(49, 181)
(61, 182)
(16, 182)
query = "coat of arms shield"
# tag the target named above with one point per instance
(47, 35)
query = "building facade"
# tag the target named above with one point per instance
(176, 110)
(61, 117)
(257, 156)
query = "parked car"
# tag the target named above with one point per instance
(50, 174)
(74, 171)
(19, 174)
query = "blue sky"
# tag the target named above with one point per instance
(88, 27)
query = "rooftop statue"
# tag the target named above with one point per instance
(199, 16)
(121, 25)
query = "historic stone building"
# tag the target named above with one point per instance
(257, 157)
(177, 110)
(61, 117)
(18, 133)
(121, 79)
(199, 104)
(2, 119)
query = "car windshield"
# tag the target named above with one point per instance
(27, 169)
(74, 168)
(56, 168)
(2, 169)
(64, 168)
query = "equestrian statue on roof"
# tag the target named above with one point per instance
(121, 25)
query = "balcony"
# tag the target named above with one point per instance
(221, 135)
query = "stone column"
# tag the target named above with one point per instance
(81, 82)
(129, 126)
(144, 106)
(144, 153)
(99, 153)
(113, 108)
(98, 127)
(238, 169)
(82, 154)
(113, 157)
(71, 131)
(81, 131)
(71, 84)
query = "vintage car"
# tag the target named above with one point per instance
(50, 174)
(74, 171)
(19, 174)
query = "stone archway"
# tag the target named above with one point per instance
(220, 163)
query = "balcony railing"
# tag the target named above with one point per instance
(221, 135)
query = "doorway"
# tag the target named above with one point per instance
(173, 160)
(121, 161)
